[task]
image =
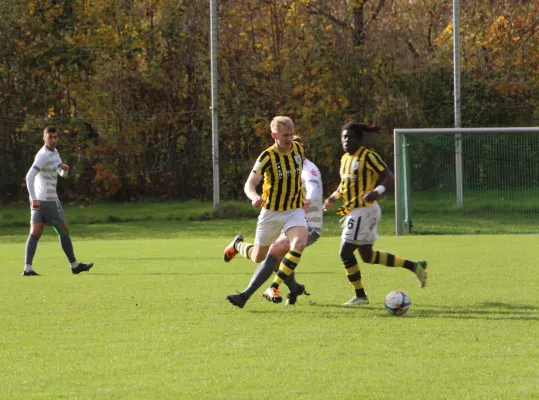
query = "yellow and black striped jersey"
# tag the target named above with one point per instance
(282, 189)
(359, 173)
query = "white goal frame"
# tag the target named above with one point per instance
(403, 217)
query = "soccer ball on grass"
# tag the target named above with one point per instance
(397, 303)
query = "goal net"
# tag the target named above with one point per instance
(466, 180)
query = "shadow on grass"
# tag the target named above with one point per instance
(485, 311)
(510, 312)
(508, 306)
(187, 273)
(171, 273)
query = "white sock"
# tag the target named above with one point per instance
(28, 267)
(74, 264)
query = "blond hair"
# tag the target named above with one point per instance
(280, 122)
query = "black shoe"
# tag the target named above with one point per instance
(293, 296)
(81, 268)
(30, 273)
(237, 299)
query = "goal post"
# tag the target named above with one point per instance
(479, 176)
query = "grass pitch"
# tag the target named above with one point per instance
(151, 320)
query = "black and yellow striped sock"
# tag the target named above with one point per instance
(245, 249)
(389, 260)
(353, 274)
(287, 266)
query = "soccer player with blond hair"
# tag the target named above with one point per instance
(313, 192)
(282, 203)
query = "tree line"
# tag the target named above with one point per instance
(127, 82)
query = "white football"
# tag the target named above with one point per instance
(397, 303)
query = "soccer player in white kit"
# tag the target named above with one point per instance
(41, 181)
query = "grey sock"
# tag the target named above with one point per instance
(31, 246)
(291, 282)
(261, 275)
(67, 246)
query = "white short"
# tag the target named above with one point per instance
(361, 225)
(271, 223)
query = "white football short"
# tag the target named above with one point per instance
(361, 225)
(271, 223)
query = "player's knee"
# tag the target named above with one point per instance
(279, 248)
(346, 253)
(366, 254)
(36, 229)
(36, 233)
(258, 254)
(258, 257)
(347, 257)
(61, 230)
(299, 244)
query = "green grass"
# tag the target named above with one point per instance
(433, 214)
(17, 215)
(483, 211)
(151, 320)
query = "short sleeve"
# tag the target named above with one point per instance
(40, 160)
(375, 162)
(262, 163)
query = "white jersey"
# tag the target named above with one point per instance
(42, 177)
(312, 184)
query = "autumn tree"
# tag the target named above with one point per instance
(128, 83)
